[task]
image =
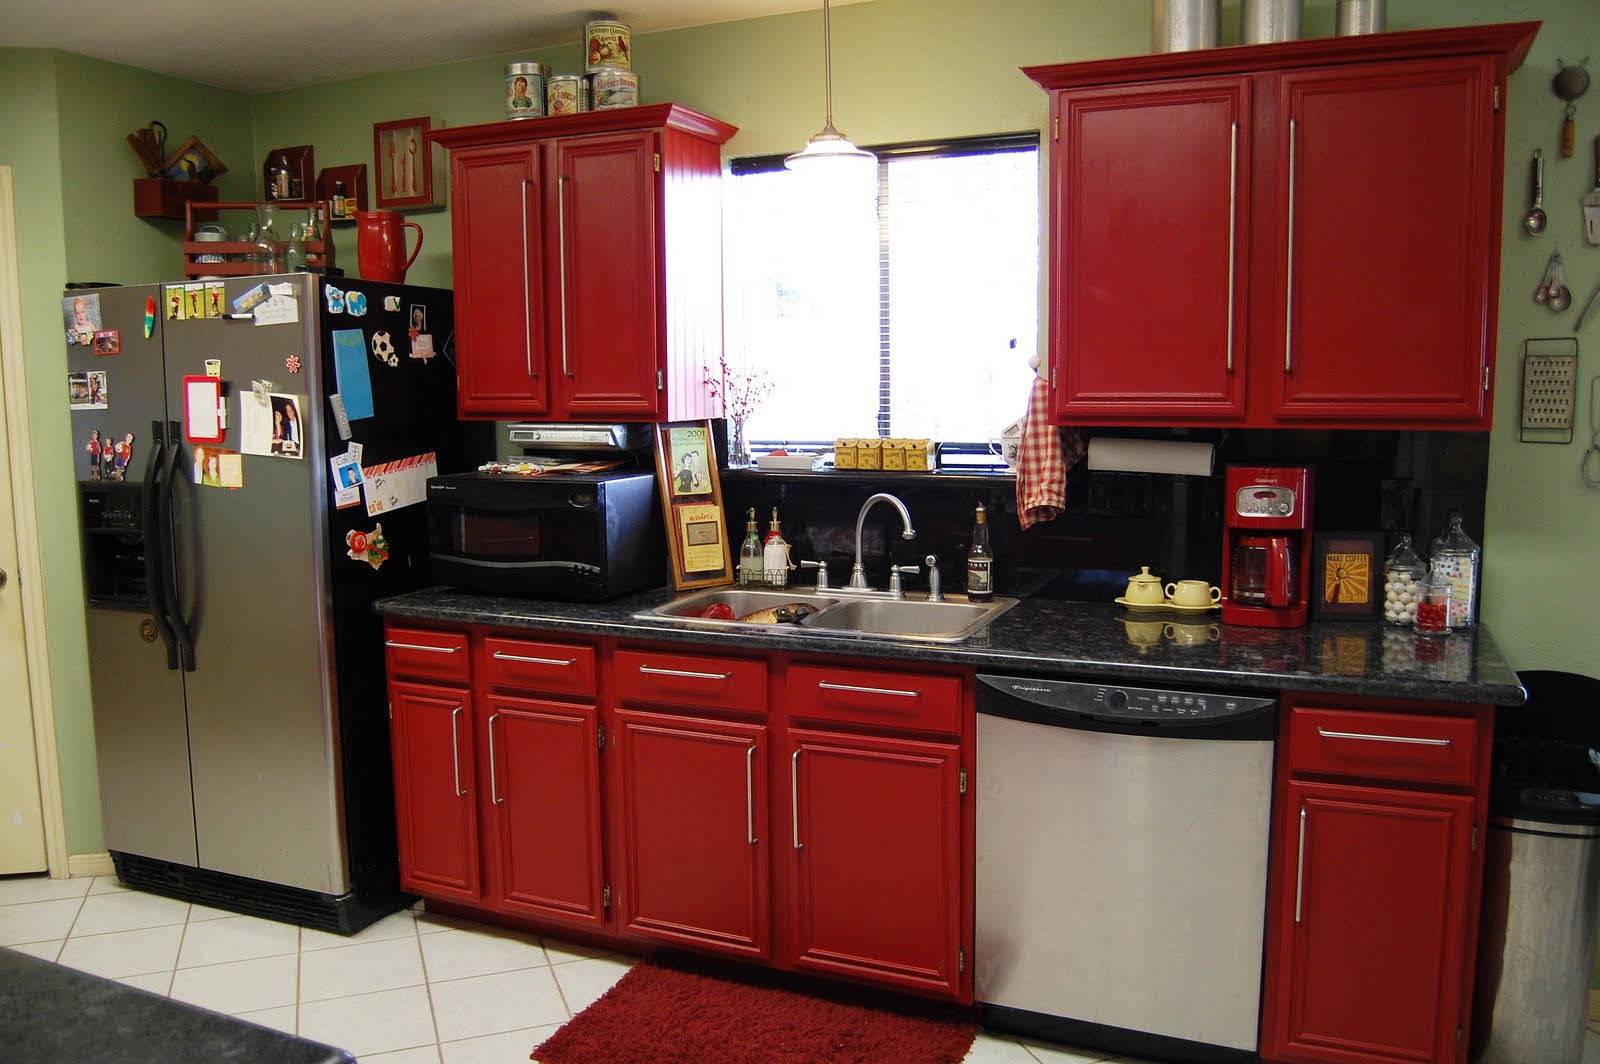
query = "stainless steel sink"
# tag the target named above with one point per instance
(939, 622)
(742, 601)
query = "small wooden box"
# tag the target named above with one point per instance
(894, 455)
(920, 455)
(845, 453)
(156, 197)
(869, 453)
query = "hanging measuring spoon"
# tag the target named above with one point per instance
(1541, 294)
(1560, 294)
(1534, 221)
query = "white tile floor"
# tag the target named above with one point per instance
(413, 988)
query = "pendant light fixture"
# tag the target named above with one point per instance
(829, 149)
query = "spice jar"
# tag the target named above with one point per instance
(1404, 577)
(1434, 611)
(1453, 558)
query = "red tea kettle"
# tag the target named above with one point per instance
(381, 245)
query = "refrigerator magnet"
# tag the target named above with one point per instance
(81, 313)
(88, 391)
(93, 447)
(383, 349)
(194, 296)
(108, 342)
(213, 367)
(292, 363)
(422, 347)
(370, 547)
(174, 295)
(247, 301)
(121, 456)
(149, 316)
(417, 320)
(335, 299)
(346, 479)
(202, 403)
(391, 303)
(355, 303)
(215, 294)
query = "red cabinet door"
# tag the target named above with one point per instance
(435, 797)
(606, 334)
(1148, 226)
(693, 824)
(544, 808)
(497, 225)
(1388, 226)
(876, 844)
(1375, 906)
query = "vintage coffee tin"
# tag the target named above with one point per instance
(567, 94)
(606, 44)
(525, 89)
(610, 89)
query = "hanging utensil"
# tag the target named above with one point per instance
(1534, 221)
(1588, 309)
(1541, 294)
(1560, 294)
(1570, 83)
(1591, 202)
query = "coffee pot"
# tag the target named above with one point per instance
(381, 245)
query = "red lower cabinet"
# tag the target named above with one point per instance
(544, 809)
(877, 859)
(435, 797)
(692, 802)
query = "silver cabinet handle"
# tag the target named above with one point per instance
(1411, 740)
(500, 655)
(527, 312)
(419, 646)
(794, 795)
(494, 786)
(648, 670)
(1288, 273)
(750, 793)
(1300, 866)
(561, 258)
(455, 749)
(823, 685)
(1233, 205)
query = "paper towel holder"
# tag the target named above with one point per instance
(1115, 454)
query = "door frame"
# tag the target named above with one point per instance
(30, 574)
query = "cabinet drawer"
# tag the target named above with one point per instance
(1396, 746)
(548, 668)
(881, 699)
(426, 653)
(690, 680)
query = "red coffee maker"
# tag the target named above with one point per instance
(1266, 544)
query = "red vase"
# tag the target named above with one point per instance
(381, 245)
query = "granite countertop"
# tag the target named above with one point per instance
(1045, 637)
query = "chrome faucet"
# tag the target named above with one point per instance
(858, 574)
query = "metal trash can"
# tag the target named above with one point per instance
(1541, 883)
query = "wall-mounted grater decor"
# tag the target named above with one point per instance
(1549, 381)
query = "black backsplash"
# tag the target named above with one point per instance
(1392, 481)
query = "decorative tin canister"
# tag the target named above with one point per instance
(525, 89)
(609, 89)
(606, 44)
(567, 94)
(1183, 25)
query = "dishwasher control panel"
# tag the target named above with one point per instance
(1118, 702)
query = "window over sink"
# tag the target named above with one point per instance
(908, 307)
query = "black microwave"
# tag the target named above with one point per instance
(579, 537)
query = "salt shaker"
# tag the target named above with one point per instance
(1404, 577)
(1453, 558)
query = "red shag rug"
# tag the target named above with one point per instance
(674, 1015)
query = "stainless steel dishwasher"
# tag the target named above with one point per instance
(1122, 843)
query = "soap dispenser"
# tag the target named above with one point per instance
(775, 555)
(751, 561)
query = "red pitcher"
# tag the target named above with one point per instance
(381, 245)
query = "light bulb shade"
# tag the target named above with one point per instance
(830, 149)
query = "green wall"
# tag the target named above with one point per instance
(903, 70)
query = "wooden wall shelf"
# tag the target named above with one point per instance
(319, 253)
(156, 197)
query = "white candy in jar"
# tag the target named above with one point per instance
(1401, 590)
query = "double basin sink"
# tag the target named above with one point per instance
(837, 613)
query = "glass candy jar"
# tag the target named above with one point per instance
(1453, 558)
(1404, 577)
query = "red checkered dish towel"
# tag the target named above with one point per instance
(1042, 460)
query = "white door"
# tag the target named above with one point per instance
(21, 818)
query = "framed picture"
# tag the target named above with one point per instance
(691, 505)
(193, 161)
(1346, 575)
(403, 164)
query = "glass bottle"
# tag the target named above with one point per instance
(294, 256)
(278, 188)
(1404, 580)
(980, 561)
(268, 246)
(775, 562)
(750, 558)
(1453, 558)
(338, 199)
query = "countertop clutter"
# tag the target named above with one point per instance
(1056, 638)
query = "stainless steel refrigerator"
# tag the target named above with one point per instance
(240, 715)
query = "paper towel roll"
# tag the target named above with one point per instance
(1112, 455)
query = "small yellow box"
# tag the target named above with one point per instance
(894, 454)
(920, 455)
(869, 453)
(844, 453)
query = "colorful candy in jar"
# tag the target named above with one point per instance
(1454, 560)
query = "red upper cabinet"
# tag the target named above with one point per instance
(1152, 182)
(1290, 235)
(587, 264)
(1389, 205)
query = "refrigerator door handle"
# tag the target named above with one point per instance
(155, 577)
(180, 627)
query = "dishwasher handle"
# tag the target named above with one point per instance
(1057, 703)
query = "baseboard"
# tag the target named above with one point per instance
(90, 864)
